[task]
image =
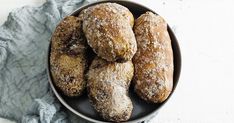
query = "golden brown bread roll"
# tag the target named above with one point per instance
(108, 29)
(153, 62)
(67, 59)
(121, 10)
(108, 84)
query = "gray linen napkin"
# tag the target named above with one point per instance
(25, 95)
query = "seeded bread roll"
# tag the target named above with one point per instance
(108, 29)
(153, 62)
(67, 59)
(108, 84)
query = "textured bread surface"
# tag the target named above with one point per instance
(153, 62)
(108, 84)
(108, 29)
(67, 59)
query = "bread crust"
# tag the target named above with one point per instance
(153, 62)
(108, 84)
(67, 59)
(108, 29)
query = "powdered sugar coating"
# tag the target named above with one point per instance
(67, 58)
(153, 61)
(108, 30)
(108, 84)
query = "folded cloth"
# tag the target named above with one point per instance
(25, 95)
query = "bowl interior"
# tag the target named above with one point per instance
(141, 110)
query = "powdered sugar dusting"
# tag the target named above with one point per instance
(108, 84)
(67, 59)
(154, 59)
(108, 31)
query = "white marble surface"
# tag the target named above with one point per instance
(205, 32)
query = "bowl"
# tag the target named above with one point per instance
(142, 110)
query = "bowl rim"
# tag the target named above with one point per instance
(141, 119)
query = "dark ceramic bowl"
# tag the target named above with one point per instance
(142, 111)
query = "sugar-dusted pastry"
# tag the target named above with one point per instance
(108, 84)
(153, 62)
(67, 59)
(108, 29)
